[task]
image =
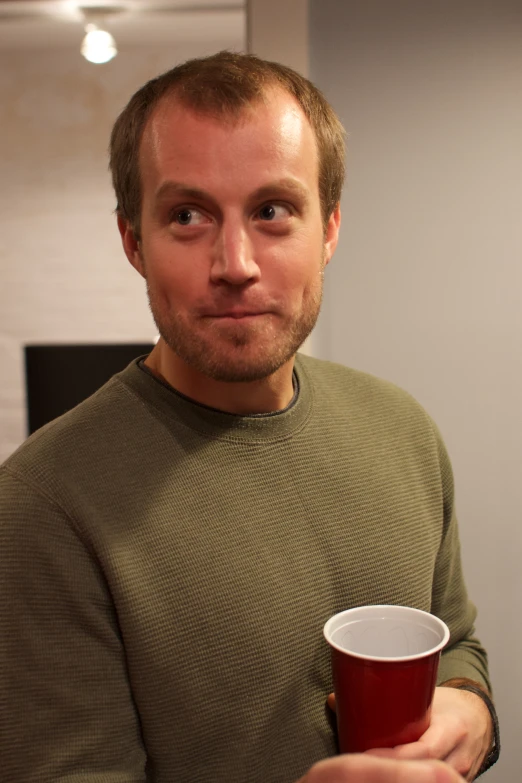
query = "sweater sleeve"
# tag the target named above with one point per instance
(464, 656)
(67, 708)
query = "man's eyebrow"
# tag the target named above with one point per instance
(170, 189)
(286, 185)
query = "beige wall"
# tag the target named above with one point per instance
(279, 31)
(426, 286)
(64, 277)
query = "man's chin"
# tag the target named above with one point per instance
(237, 355)
(227, 369)
(233, 362)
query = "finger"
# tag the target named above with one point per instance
(464, 763)
(417, 752)
(331, 701)
(368, 769)
(444, 774)
(436, 743)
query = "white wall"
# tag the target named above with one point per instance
(426, 286)
(63, 275)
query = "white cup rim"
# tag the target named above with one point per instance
(332, 624)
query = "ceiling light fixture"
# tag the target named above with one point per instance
(98, 46)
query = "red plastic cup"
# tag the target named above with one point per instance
(384, 663)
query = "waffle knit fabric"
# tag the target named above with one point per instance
(167, 570)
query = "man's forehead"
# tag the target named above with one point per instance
(276, 131)
(170, 105)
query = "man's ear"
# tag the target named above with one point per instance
(331, 235)
(131, 245)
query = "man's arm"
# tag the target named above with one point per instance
(461, 729)
(464, 656)
(67, 710)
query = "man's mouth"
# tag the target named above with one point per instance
(236, 312)
(239, 314)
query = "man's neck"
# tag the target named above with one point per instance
(267, 395)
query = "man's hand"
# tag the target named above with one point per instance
(365, 768)
(460, 733)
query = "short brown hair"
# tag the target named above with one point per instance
(223, 84)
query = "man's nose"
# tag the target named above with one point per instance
(234, 262)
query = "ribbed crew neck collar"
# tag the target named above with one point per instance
(218, 424)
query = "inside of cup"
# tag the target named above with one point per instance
(385, 637)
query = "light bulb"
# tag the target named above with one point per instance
(98, 46)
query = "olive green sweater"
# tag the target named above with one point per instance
(167, 570)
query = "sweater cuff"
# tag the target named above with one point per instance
(456, 664)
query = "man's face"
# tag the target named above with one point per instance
(232, 242)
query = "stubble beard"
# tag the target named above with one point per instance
(240, 353)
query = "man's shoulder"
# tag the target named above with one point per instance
(333, 381)
(77, 435)
(376, 410)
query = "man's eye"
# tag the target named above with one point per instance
(187, 217)
(273, 212)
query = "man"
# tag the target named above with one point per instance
(174, 545)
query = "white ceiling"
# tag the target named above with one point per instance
(60, 23)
